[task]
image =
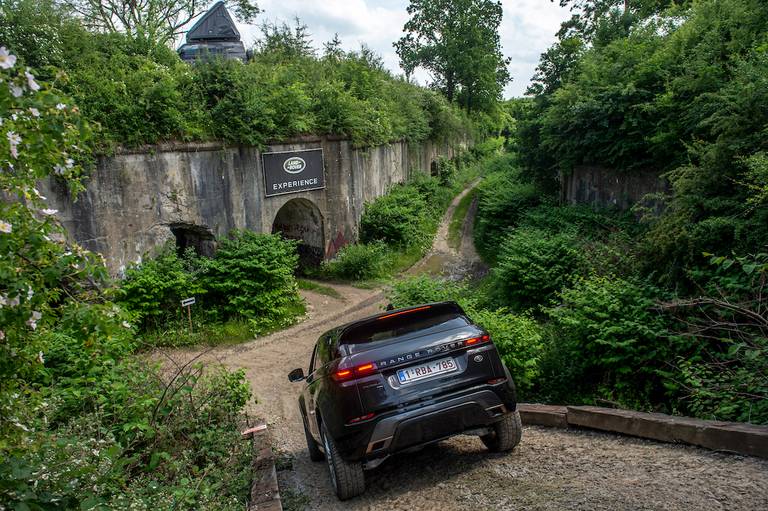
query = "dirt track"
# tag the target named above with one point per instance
(551, 469)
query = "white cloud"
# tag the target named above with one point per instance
(527, 30)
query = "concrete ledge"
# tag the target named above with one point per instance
(722, 436)
(265, 494)
(543, 415)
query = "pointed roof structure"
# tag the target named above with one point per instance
(213, 36)
(215, 25)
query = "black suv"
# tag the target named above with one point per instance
(399, 380)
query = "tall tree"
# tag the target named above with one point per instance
(589, 16)
(458, 42)
(160, 21)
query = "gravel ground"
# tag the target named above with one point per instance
(550, 470)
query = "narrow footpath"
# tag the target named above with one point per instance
(550, 470)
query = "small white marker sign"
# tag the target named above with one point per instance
(188, 301)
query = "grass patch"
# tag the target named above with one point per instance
(457, 221)
(235, 331)
(316, 287)
(293, 500)
(178, 334)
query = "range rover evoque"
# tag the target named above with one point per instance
(400, 380)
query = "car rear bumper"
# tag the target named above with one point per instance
(427, 422)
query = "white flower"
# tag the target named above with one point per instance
(59, 170)
(40, 357)
(60, 106)
(16, 90)
(126, 324)
(3, 300)
(31, 81)
(33, 319)
(14, 139)
(34, 111)
(5, 227)
(6, 59)
(38, 194)
(14, 117)
(14, 302)
(2, 335)
(70, 163)
(30, 293)
(49, 212)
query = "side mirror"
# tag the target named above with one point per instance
(296, 375)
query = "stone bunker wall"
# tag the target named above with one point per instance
(136, 200)
(604, 187)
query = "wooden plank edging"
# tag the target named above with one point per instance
(265, 493)
(741, 438)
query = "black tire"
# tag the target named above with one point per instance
(347, 478)
(315, 454)
(506, 433)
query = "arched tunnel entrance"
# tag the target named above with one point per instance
(300, 219)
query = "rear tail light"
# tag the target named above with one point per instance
(496, 380)
(477, 340)
(347, 374)
(361, 419)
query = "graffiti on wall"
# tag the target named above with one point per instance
(336, 243)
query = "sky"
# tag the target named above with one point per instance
(527, 30)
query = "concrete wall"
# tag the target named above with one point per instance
(133, 198)
(605, 187)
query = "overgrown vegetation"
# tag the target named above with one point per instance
(140, 92)
(397, 229)
(248, 287)
(85, 423)
(678, 87)
(580, 318)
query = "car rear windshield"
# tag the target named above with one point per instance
(384, 328)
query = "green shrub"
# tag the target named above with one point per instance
(533, 265)
(252, 276)
(358, 261)
(401, 218)
(142, 438)
(519, 340)
(502, 201)
(153, 288)
(446, 171)
(725, 376)
(608, 339)
(436, 195)
(424, 289)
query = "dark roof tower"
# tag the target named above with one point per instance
(214, 34)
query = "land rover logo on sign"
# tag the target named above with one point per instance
(293, 171)
(294, 165)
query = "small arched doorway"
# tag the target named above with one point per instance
(197, 237)
(300, 219)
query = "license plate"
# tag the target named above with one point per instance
(419, 372)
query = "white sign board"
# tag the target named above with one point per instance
(188, 301)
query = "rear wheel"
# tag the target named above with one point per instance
(506, 433)
(347, 478)
(314, 451)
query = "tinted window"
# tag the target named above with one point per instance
(325, 350)
(390, 327)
